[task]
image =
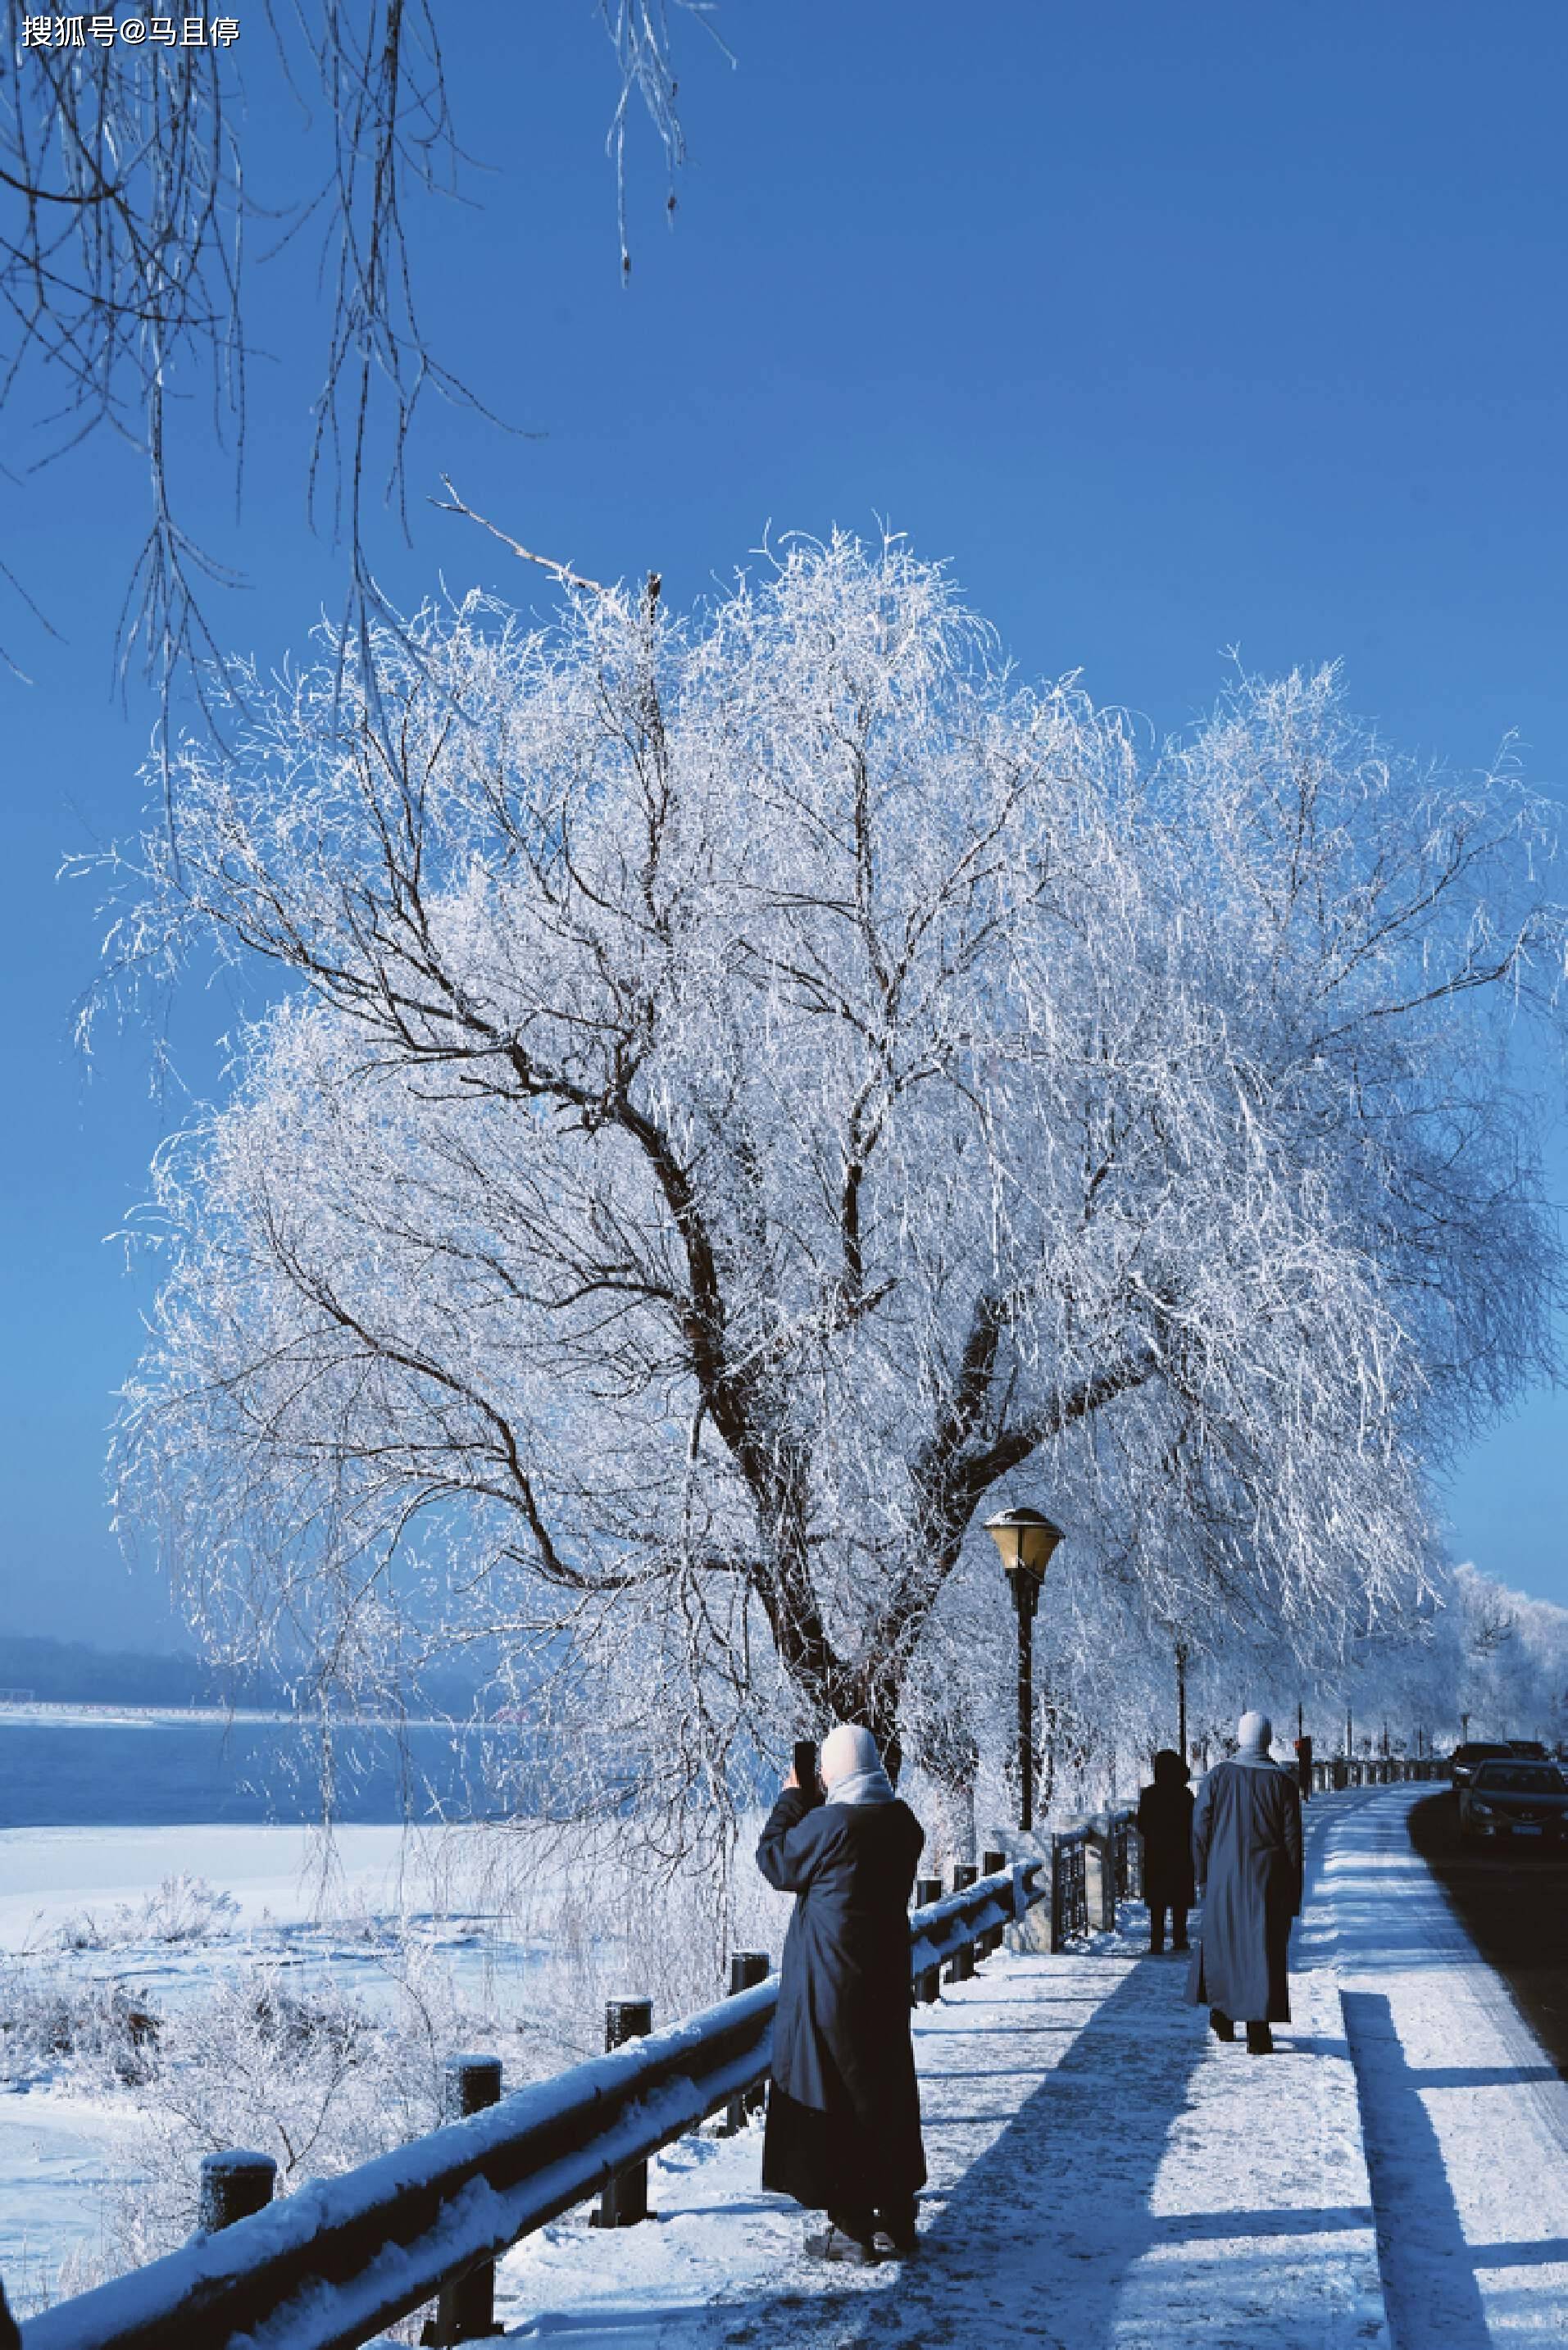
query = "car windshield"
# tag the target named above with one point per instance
(1521, 1779)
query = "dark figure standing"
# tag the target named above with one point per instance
(844, 2114)
(1247, 1854)
(1165, 1824)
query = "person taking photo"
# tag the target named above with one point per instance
(843, 2133)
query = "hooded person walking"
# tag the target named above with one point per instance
(1247, 1855)
(1165, 1824)
(844, 2116)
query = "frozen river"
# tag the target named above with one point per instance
(64, 1767)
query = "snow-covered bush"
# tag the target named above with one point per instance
(185, 1908)
(54, 2022)
(322, 2075)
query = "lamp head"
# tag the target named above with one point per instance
(1025, 1541)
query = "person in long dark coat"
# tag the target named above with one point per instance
(1247, 1855)
(1165, 1824)
(844, 2114)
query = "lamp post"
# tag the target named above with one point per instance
(1025, 1541)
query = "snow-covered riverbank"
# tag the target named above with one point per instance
(257, 1949)
(165, 1916)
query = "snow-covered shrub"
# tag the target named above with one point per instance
(83, 1930)
(184, 1909)
(320, 2075)
(54, 2021)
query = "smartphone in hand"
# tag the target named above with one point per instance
(805, 1771)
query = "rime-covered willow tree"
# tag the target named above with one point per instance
(745, 1093)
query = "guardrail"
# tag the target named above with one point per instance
(1094, 1864)
(333, 2265)
(1069, 1885)
(1127, 1852)
(1374, 1771)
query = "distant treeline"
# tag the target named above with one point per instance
(72, 1673)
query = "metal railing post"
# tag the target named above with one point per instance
(233, 2187)
(927, 1984)
(962, 1967)
(625, 2199)
(1129, 1860)
(1058, 1933)
(746, 1968)
(992, 1863)
(1100, 1863)
(465, 2309)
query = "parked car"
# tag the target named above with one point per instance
(1515, 1798)
(1476, 1751)
(1530, 1749)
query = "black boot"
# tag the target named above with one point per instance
(1220, 2025)
(1260, 2040)
(896, 2237)
(847, 2237)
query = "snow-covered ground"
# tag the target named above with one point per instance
(1103, 2175)
(283, 1898)
(50, 1876)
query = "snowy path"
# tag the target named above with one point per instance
(1105, 2177)
(1466, 2117)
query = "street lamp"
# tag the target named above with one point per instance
(1025, 1541)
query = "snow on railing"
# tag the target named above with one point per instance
(333, 2265)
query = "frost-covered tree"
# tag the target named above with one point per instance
(1510, 1679)
(747, 1094)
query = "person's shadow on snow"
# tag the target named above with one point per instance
(1035, 2238)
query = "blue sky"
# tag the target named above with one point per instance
(1176, 329)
